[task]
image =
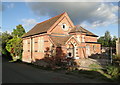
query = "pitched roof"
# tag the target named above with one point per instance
(82, 30)
(59, 40)
(43, 26)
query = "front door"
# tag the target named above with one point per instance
(71, 51)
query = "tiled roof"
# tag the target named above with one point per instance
(43, 26)
(82, 30)
(59, 40)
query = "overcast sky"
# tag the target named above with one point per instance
(96, 17)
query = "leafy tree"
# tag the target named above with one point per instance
(14, 46)
(107, 35)
(106, 39)
(113, 43)
(101, 40)
(19, 31)
(5, 37)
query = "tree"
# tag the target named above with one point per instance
(5, 38)
(14, 46)
(101, 40)
(113, 42)
(107, 35)
(19, 31)
(106, 39)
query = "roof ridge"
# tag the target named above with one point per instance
(51, 18)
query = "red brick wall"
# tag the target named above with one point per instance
(80, 49)
(36, 53)
(90, 39)
(58, 28)
(94, 48)
(26, 56)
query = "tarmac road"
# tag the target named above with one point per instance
(23, 73)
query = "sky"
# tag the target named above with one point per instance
(97, 17)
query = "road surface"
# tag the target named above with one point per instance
(23, 73)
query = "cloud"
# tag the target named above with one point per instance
(28, 23)
(94, 13)
(104, 15)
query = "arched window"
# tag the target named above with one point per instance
(63, 26)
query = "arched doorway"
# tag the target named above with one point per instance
(71, 50)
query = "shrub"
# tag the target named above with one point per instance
(116, 60)
(95, 67)
(113, 71)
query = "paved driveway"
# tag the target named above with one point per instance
(23, 73)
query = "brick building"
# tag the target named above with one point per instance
(59, 32)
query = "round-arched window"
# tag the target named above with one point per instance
(64, 27)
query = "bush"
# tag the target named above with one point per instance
(116, 60)
(113, 71)
(116, 57)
